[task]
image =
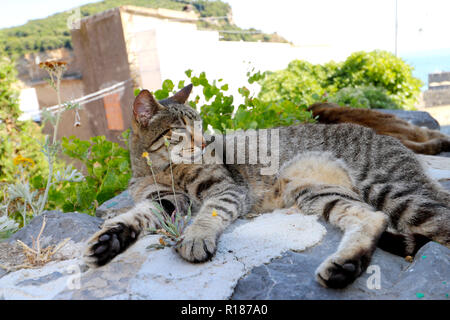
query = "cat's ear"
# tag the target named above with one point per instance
(182, 95)
(145, 107)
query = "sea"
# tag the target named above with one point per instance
(425, 62)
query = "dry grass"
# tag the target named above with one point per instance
(36, 256)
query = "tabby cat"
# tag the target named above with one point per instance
(370, 186)
(418, 139)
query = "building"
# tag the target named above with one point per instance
(133, 47)
(438, 93)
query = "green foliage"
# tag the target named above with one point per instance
(297, 83)
(16, 137)
(52, 32)
(364, 97)
(9, 93)
(379, 69)
(220, 112)
(107, 167)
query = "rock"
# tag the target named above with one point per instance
(76, 227)
(418, 118)
(142, 273)
(115, 206)
(59, 226)
(292, 276)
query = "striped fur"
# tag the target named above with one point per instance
(370, 186)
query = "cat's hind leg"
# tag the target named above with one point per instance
(320, 185)
(362, 227)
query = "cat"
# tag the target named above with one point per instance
(370, 186)
(418, 139)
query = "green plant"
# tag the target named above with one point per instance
(108, 170)
(298, 83)
(17, 138)
(172, 226)
(21, 201)
(378, 69)
(364, 97)
(221, 113)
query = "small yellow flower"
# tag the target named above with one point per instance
(144, 154)
(214, 213)
(21, 160)
(162, 242)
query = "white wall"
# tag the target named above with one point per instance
(28, 103)
(180, 46)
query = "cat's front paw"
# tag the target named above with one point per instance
(337, 273)
(108, 243)
(197, 245)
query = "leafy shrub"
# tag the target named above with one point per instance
(107, 167)
(220, 112)
(16, 137)
(364, 97)
(297, 83)
(378, 69)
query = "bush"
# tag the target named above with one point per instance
(108, 170)
(297, 83)
(378, 69)
(220, 112)
(16, 137)
(364, 97)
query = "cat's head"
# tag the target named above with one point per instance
(165, 127)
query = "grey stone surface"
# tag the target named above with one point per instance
(418, 118)
(59, 226)
(39, 281)
(115, 206)
(292, 276)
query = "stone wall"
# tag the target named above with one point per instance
(434, 98)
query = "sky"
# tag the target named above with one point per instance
(343, 24)
(351, 24)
